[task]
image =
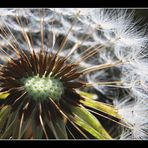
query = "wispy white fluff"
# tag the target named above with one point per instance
(135, 115)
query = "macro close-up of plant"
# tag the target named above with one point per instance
(73, 73)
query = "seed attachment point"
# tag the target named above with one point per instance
(41, 88)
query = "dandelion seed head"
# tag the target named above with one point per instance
(49, 54)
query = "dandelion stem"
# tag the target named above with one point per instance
(104, 83)
(19, 21)
(16, 41)
(20, 127)
(101, 66)
(42, 28)
(70, 132)
(110, 119)
(77, 45)
(14, 49)
(66, 37)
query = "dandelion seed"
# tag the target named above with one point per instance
(134, 113)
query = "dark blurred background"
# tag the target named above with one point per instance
(142, 13)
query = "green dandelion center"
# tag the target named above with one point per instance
(43, 88)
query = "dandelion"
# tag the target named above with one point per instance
(64, 71)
